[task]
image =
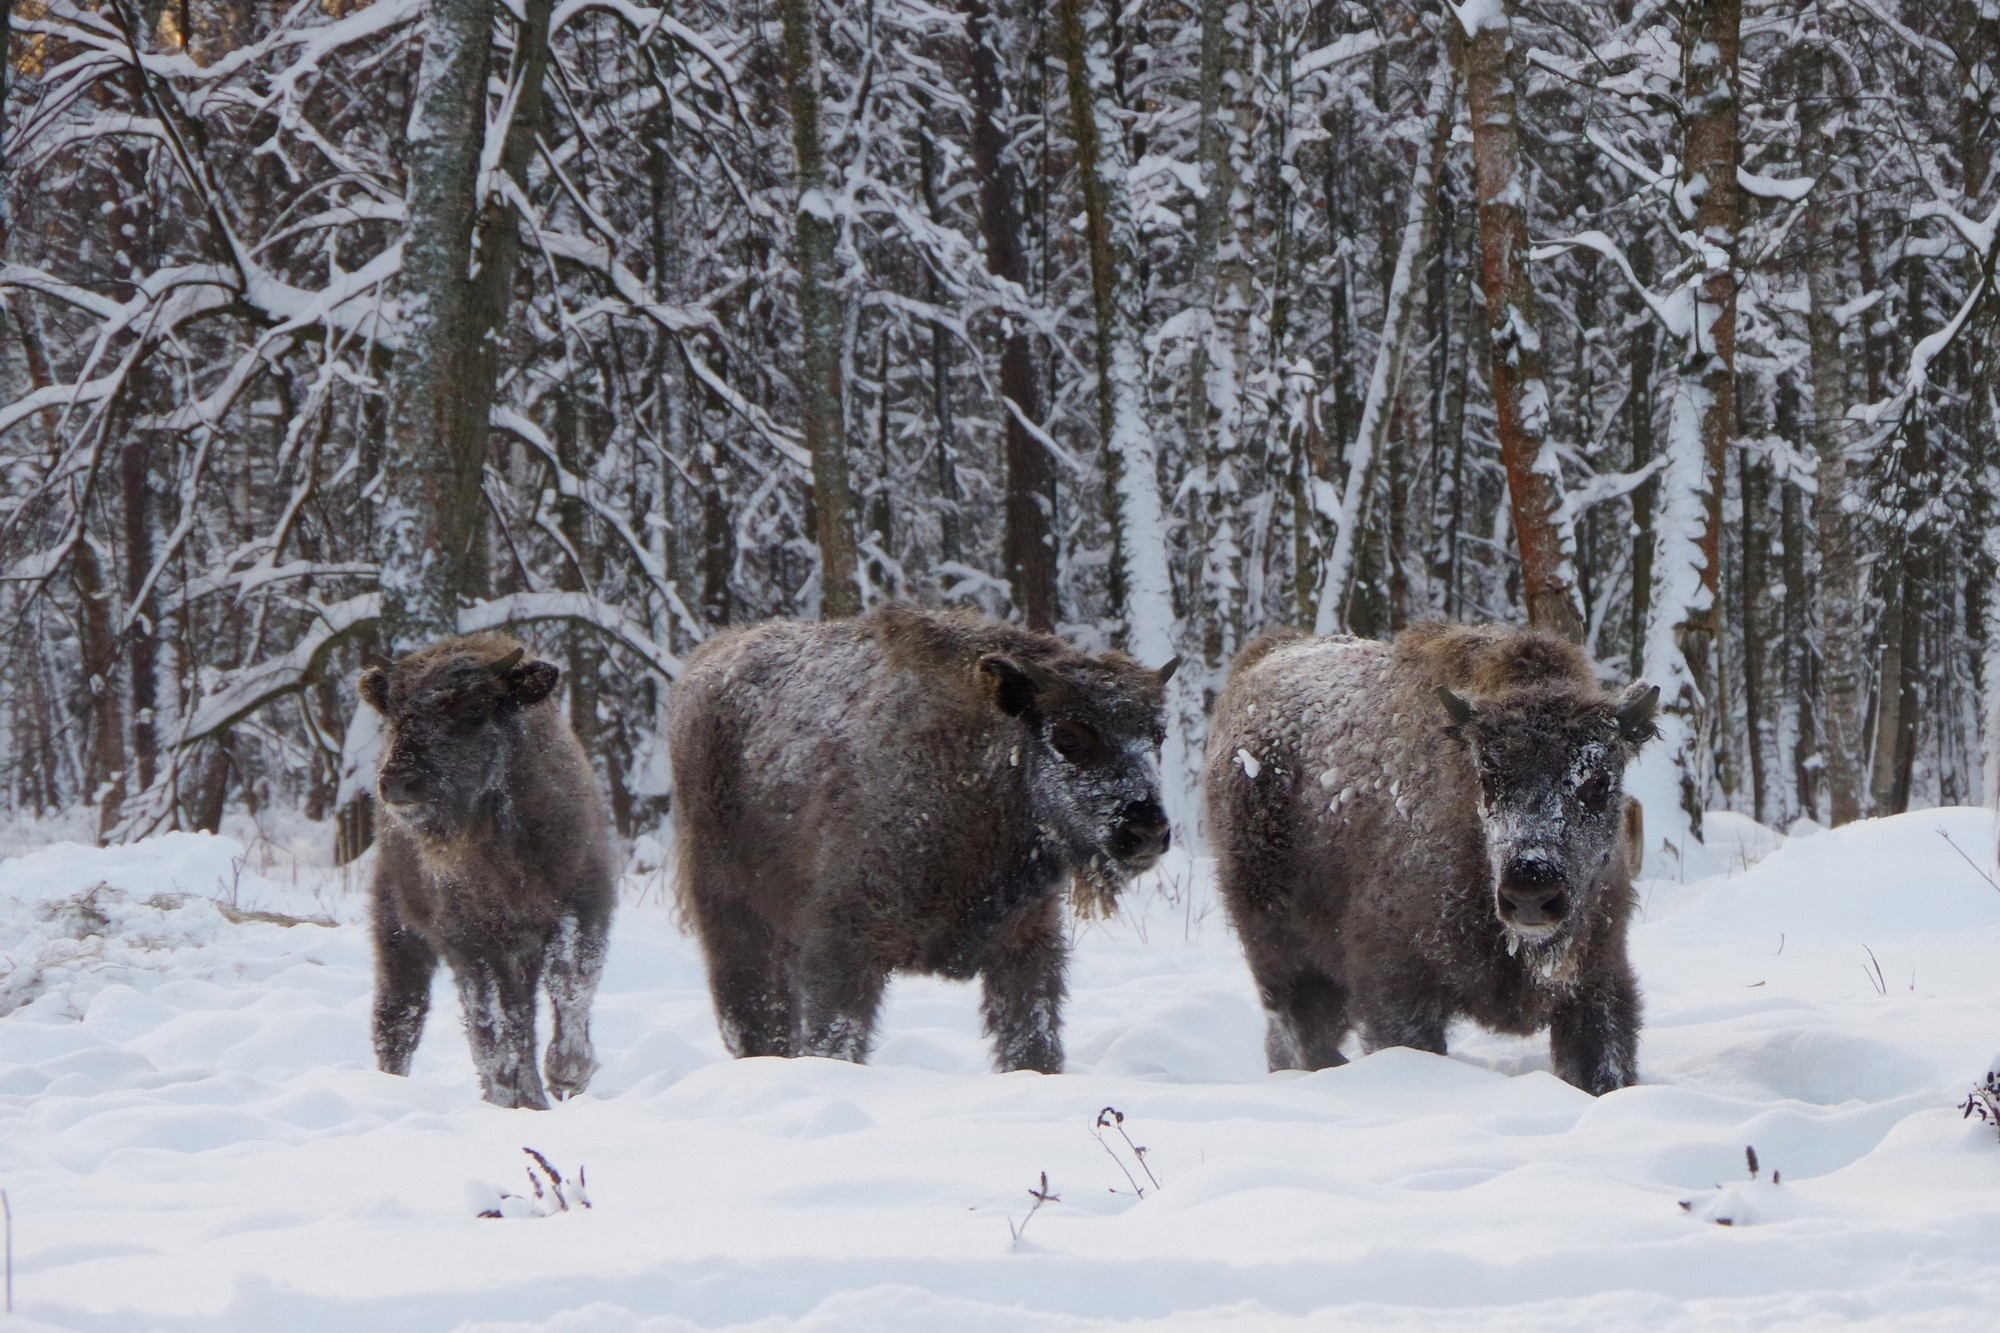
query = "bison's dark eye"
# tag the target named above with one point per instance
(1073, 741)
(1595, 794)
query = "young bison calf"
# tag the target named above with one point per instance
(494, 854)
(1418, 830)
(903, 792)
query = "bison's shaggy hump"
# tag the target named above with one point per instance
(1494, 659)
(905, 791)
(1412, 831)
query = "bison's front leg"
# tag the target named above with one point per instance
(404, 966)
(1594, 1033)
(1023, 983)
(575, 964)
(497, 980)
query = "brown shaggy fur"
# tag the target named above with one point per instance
(495, 855)
(906, 791)
(1391, 866)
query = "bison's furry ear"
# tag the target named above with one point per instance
(1014, 684)
(1458, 709)
(531, 682)
(375, 689)
(1634, 714)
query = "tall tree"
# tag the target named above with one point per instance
(429, 519)
(1141, 585)
(1028, 548)
(1672, 781)
(823, 405)
(1543, 530)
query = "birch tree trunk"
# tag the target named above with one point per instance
(1364, 451)
(429, 519)
(821, 319)
(1543, 529)
(1141, 590)
(1028, 549)
(1671, 779)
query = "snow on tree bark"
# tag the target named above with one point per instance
(1672, 781)
(428, 517)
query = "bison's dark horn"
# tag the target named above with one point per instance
(1461, 712)
(508, 663)
(1166, 673)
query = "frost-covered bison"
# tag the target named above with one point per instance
(908, 791)
(1413, 831)
(495, 855)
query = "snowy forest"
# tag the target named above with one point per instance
(330, 327)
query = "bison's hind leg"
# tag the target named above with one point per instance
(749, 977)
(575, 963)
(840, 989)
(404, 966)
(1022, 980)
(1308, 1018)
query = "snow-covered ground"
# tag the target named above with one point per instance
(193, 1137)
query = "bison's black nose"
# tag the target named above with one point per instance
(1532, 893)
(1142, 833)
(399, 788)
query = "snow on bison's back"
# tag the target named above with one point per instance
(1414, 831)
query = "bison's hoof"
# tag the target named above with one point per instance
(568, 1071)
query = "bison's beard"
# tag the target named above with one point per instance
(1095, 885)
(1546, 954)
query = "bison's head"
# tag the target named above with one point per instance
(1551, 766)
(1090, 750)
(451, 719)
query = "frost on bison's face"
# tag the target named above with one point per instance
(448, 722)
(1551, 799)
(1092, 768)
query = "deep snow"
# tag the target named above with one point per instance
(192, 1134)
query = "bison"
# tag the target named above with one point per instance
(907, 791)
(495, 855)
(1414, 831)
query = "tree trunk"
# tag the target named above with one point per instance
(1364, 451)
(1672, 777)
(1141, 592)
(433, 468)
(1221, 295)
(1756, 556)
(1801, 682)
(1542, 526)
(1843, 701)
(1028, 547)
(821, 320)
(951, 548)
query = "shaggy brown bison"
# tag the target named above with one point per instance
(494, 855)
(907, 791)
(1413, 831)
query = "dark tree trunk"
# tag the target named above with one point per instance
(821, 320)
(1028, 548)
